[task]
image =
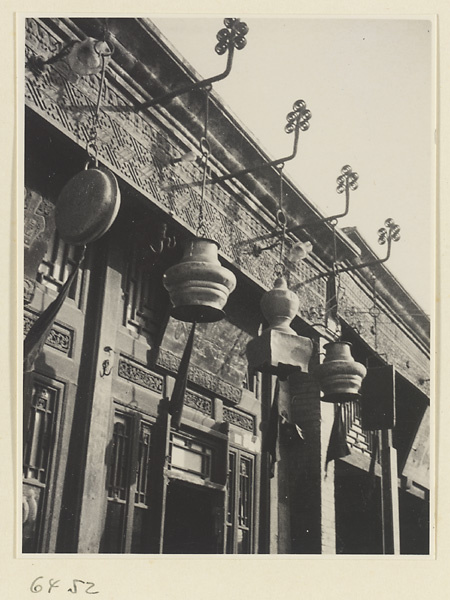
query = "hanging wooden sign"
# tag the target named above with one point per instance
(378, 399)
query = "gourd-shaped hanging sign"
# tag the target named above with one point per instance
(340, 375)
(278, 350)
(199, 285)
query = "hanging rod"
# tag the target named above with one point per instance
(390, 233)
(230, 38)
(348, 180)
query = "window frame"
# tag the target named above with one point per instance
(233, 492)
(47, 503)
(137, 420)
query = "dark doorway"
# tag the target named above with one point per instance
(190, 523)
(414, 524)
(358, 511)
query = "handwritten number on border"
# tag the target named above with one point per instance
(37, 586)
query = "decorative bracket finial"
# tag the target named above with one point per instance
(390, 233)
(297, 120)
(348, 180)
(231, 37)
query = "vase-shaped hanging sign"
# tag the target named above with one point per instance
(340, 375)
(199, 285)
(87, 206)
(279, 350)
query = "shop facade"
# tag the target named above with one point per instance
(104, 471)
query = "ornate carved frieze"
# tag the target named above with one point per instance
(138, 151)
(239, 419)
(136, 373)
(198, 402)
(209, 381)
(60, 337)
(381, 332)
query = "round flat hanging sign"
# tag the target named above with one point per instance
(87, 206)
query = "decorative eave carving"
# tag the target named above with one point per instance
(390, 340)
(239, 419)
(60, 337)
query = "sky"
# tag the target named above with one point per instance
(369, 84)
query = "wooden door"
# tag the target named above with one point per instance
(50, 392)
(126, 395)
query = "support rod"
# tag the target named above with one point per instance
(346, 181)
(272, 163)
(352, 268)
(191, 87)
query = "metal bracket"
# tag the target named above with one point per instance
(390, 233)
(107, 365)
(348, 180)
(230, 38)
(162, 240)
(298, 119)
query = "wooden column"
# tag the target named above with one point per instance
(96, 393)
(159, 474)
(283, 473)
(389, 494)
(265, 496)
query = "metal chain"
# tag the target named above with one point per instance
(91, 145)
(375, 312)
(336, 274)
(205, 150)
(280, 267)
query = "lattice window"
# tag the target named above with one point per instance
(128, 485)
(57, 264)
(144, 295)
(231, 494)
(141, 498)
(356, 437)
(120, 459)
(240, 512)
(38, 451)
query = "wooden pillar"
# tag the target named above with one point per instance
(327, 492)
(159, 475)
(71, 525)
(265, 481)
(98, 397)
(283, 466)
(389, 494)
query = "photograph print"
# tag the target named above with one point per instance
(228, 285)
